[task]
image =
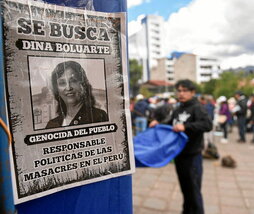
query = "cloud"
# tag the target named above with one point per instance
(216, 28)
(132, 3)
(135, 25)
(238, 61)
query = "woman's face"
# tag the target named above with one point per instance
(70, 88)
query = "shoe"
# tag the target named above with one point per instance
(224, 140)
(241, 141)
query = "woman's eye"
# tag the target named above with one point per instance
(61, 83)
(73, 80)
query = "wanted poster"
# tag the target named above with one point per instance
(67, 97)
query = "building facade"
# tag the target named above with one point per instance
(186, 66)
(147, 45)
(196, 68)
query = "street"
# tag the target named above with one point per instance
(225, 190)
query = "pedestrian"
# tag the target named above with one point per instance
(140, 113)
(240, 110)
(225, 115)
(163, 111)
(209, 107)
(252, 115)
(191, 118)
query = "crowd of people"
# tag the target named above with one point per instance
(224, 112)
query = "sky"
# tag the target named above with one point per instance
(222, 29)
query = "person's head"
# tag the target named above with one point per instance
(203, 100)
(71, 86)
(238, 94)
(252, 97)
(222, 99)
(139, 97)
(185, 90)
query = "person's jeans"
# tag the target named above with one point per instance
(140, 124)
(253, 133)
(189, 170)
(241, 123)
(224, 128)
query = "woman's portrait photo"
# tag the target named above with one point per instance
(68, 97)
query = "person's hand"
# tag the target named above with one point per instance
(153, 123)
(179, 128)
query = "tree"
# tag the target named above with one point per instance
(208, 87)
(226, 85)
(145, 91)
(198, 88)
(135, 75)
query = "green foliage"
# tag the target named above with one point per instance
(146, 93)
(198, 88)
(135, 75)
(208, 87)
(248, 88)
(228, 83)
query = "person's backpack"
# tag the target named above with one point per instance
(228, 161)
(211, 152)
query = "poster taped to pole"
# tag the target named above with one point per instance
(67, 96)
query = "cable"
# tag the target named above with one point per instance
(7, 131)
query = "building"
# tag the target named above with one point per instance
(164, 71)
(196, 68)
(147, 45)
(186, 66)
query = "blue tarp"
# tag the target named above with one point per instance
(157, 146)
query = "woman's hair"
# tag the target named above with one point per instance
(87, 96)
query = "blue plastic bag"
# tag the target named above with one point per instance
(157, 146)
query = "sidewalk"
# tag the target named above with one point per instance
(225, 190)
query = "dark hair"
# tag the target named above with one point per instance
(88, 98)
(186, 83)
(203, 98)
(239, 93)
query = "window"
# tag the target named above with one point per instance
(155, 24)
(206, 75)
(157, 52)
(156, 45)
(37, 116)
(156, 38)
(206, 66)
(206, 59)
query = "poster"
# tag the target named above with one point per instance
(67, 97)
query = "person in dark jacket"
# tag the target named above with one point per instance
(192, 119)
(252, 115)
(73, 93)
(240, 110)
(140, 113)
(163, 111)
(209, 107)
